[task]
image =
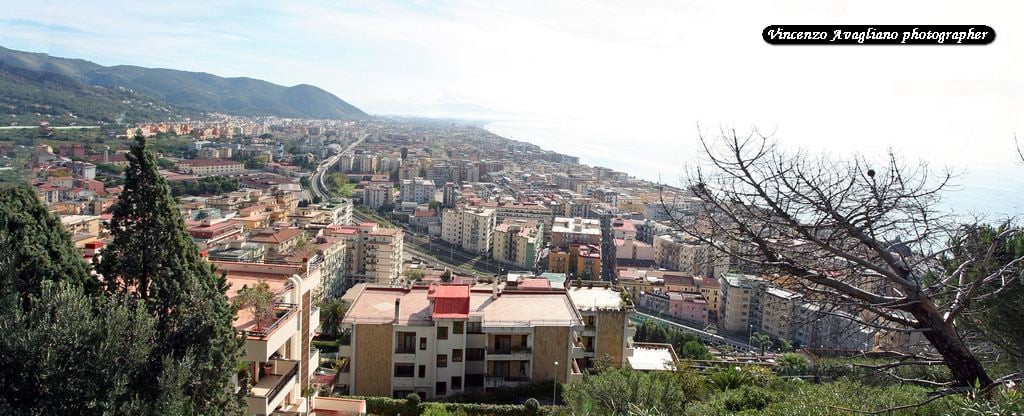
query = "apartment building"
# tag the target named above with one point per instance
(606, 332)
(279, 360)
(442, 340)
(470, 228)
(675, 252)
(580, 260)
(376, 196)
(565, 231)
(418, 190)
(739, 309)
(278, 239)
(518, 242)
(210, 166)
(778, 316)
(374, 253)
(689, 307)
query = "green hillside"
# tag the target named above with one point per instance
(63, 82)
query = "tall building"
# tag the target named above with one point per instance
(606, 332)
(739, 309)
(470, 228)
(451, 195)
(565, 231)
(443, 340)
(417, 190)
(374, 253)
(277, 351)
(518, 243)
(376, 196)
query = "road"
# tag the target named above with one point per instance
(419, 246)
(317, 179)
(706, 337)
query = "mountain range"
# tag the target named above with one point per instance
(39, 85)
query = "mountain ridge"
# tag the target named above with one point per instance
(188, 90)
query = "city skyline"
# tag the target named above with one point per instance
(583, 78)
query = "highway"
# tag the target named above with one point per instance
(317, 179)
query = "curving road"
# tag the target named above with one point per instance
(317, 178)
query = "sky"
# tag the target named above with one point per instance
(613, 75)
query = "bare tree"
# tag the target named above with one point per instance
(865, 238)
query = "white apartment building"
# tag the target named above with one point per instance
(418, 190)
(374, 253)
(377, 195)
(470, 228)
(280, 361)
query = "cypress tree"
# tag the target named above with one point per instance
(38, 247)
(153, 257)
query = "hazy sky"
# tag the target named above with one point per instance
(641, 73)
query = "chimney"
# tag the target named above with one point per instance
(398, 309)
(494, 288)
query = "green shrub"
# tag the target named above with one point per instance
(730, 378)
(793, 364)
(532, 406)
(747, 398)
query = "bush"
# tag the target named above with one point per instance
(747, 398)
(386, 406)
(730, 378)
(412, 403)
(612, 390)
(532, 406)
(793, 364)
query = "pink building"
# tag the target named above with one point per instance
(688, 307)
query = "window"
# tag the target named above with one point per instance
(474, 328)
(423, 343)
(474, 380)
(423, 371)
(442, 332)
(456, 383)
(404, 370)
(457, 329)
(474, 354)
(442, 360)
(406, 343)
(440, 389)
(456, 358)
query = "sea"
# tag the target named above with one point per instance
(989, 183)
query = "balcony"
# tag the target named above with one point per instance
(271, 334)
(314, 320)
(577, 351)
(268, 393)
(314, 361)
(498, 382)
(509, 353)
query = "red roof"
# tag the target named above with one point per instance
(450, 301)
(535, 283)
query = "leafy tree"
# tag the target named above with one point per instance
(414, 275)
(259, 299)
(40, 247)
(256, 162)
(762, 341)
(446, 276)
(73, 353)
(333, 311)
(152, 258)
(611, 390)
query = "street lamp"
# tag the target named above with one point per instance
(554, 386)
(750, 334)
